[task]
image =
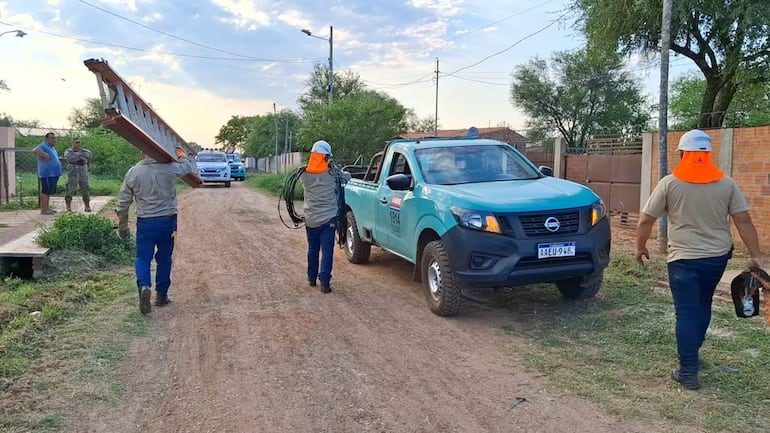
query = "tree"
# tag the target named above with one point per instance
(90, 115)
(415, 123)
(268, 130)
(4, 86)
(357, 126)
(750, 107)
(578, 95)
(347, 83)
(235, 132)
(726, 39)
(6, 120)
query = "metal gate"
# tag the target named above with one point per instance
(612, 168)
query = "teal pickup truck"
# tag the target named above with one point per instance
(476, 213)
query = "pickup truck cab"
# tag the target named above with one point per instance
(476, 213)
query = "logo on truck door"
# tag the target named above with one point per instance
(395, 213)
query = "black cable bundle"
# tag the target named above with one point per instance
(287, 196)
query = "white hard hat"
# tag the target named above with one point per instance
(321, 146)
(695, 141)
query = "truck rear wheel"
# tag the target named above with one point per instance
(356, 250)
(441, 291)
(581, 288)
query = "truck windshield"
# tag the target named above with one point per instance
(211, 157)
(471, 164)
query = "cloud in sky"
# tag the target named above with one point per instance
(200, 62)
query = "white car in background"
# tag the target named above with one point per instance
(213, 166)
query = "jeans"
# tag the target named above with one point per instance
(320, 239)
(154, 239)
(692, 284)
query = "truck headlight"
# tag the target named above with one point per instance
(476, 220)
(597, 212)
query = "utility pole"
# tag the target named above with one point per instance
(275, 118)
(435, 119)
(331, 64)
(665, 44)
(286, 136)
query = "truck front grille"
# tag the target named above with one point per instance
(535, 225)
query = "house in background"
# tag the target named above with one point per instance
(500, 133)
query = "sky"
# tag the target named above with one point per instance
(199, 62)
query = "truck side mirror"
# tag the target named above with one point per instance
(547, 171)
(399, 182)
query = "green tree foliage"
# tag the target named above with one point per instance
(113, 155)
(750, 107)
(90, 115)
(4, 86)
(6, 120)
(357, 126)
(726, 39)
(269, 130)
(579, 96)
(414, 123)
(235, 132)
(345, 84)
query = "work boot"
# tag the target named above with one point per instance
(312, 282)
(688, 381)
(162, 300)
(144, 300)
(325, 288)
(87, 203)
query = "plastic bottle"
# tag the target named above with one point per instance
(748, 306)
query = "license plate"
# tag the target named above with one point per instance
(559, 249)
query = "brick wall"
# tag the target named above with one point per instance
(750, 167)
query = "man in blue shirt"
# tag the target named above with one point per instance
(48, 170)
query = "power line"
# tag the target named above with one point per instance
(511, 46)
(500, 21)
(162, 32)
(168, 53)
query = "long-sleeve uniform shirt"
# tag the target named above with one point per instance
(77, 161)
(152, 185)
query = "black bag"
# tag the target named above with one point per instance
(745, 291)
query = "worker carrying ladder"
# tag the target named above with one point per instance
(134, 120)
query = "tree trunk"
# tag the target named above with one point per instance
(717, 97)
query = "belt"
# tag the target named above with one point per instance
(167, 217)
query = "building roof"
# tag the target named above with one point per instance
(41, 132)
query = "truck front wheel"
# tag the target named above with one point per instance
(581, 288)
(441, 291)
(356, 250)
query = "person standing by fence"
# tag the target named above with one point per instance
(48, 171)
(77, 174)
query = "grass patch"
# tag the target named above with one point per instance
(92, 234)
(27, 184)
(273, 183)
(619, 348)
(68, 353)
(20, 203)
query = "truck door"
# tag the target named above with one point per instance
(395, 219)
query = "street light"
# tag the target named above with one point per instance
(19, 33)
(331, 58)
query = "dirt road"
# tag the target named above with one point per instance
(247, 346)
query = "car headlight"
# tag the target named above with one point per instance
(597, 212)
(476, 220)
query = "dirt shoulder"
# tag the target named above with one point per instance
(247, 346)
